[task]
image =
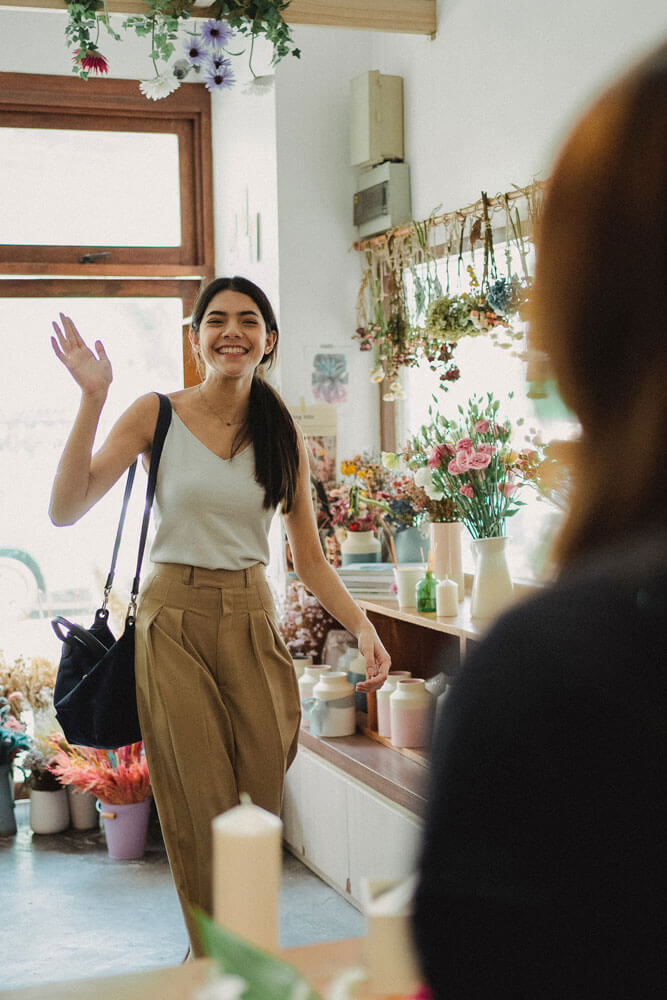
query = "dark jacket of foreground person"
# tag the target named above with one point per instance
(543, 871)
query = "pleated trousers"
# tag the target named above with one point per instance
(218, 705)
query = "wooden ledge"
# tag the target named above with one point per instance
(415, 17)
(379, 767)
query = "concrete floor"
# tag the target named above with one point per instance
(68, 911)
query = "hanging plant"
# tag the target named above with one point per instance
(205, 50)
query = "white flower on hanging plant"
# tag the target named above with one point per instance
(159, 87)
(377, 375)
(259, 85)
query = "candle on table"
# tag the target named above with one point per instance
(247, 854)
(447, 598)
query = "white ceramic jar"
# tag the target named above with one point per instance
(410, 709)
(49, 811)
(307, 682)
(360, 547)
(382, 701)
(332, 706)
(82, 809)
(299, 662)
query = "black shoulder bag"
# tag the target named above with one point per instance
(94, 696)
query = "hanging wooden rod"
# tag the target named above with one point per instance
(476, 208)
(416, 17)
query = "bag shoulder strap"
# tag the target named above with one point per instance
(161, 428)
(119, 532)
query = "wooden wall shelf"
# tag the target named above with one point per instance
(415, 17)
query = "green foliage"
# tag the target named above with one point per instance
(161, 22)
(267, 977)
(260, 17)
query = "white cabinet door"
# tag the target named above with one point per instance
(383, 838)
(322, 812)
(291, 810)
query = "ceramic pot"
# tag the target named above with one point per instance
(360, 547)
(82, 809)
(492, 589)
(445, 537)
(382, 701)
(331, 709)
(7, 817)
(356, 672)
(299, 662)
(408, 544)
(410, 708)
(49, 811)
(307, 682)
(125, 827)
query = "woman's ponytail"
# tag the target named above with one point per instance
(274, 437)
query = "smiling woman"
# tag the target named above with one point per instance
(214, 678)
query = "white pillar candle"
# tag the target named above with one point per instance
(446, 598)
(247, 855)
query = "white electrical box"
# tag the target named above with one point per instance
(382, 200)
(376, 119)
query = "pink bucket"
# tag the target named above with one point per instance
(125, 827)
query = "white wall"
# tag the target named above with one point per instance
(319, 273)
(488, 101)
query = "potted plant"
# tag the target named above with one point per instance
(13, 739)
(119, 780)
(205, 51)
(472, 462)
(49, 807)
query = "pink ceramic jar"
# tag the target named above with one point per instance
(410, 709)
(382, 700)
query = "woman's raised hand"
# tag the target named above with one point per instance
(93, 374)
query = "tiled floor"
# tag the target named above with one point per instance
(68, 911)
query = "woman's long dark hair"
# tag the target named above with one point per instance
(600, 302)
(268, 425)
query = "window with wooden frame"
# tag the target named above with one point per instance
(106, 215)
(98, 249)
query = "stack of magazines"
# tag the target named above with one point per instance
(368, 579)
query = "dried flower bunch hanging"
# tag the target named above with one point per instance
(205, 50)
(406, 329)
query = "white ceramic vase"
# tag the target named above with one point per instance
(492, 589)
(82, 809)
(360, 547)
(410, 708)
(446, 552)
(382, 701)
(332, 706)
(49, 811)
(307, 682)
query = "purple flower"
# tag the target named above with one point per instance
(194, 50)
(216, 34)
(219, 77)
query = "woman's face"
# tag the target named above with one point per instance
(233, 337)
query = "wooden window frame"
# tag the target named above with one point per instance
(39, 101)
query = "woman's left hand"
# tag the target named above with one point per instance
(378, 661)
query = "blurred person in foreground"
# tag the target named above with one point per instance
(543, 867)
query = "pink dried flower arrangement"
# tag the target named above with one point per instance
(117, 777)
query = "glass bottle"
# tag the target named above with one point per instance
(425, 592)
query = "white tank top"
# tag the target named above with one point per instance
(208, 511)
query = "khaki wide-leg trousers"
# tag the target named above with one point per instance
(218, 705)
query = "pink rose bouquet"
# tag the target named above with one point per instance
(471, 461)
